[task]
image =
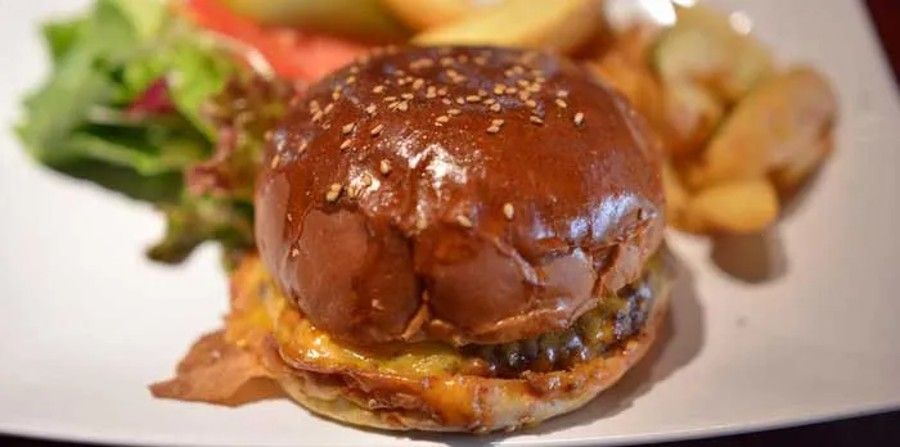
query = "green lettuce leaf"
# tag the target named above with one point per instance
(61, 35)
(85, 120)
(94, 78)
(196, 219)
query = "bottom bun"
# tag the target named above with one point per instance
(462, 402)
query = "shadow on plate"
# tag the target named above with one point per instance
(680, 339)
(758, 258)
(752, 258)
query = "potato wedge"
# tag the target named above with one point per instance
(424, 14)
(623, 65)
(683, 114)
(690, 116)
(790, 176)
(702, 47)
(362, 19)
(779, 122)
(677, 196)
(558, 25)
(739, 207)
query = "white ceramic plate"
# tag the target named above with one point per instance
(86, 323)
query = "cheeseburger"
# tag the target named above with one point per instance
(455, 239)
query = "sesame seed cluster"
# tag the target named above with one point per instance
(461, 90)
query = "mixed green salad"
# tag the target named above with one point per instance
(142, 101)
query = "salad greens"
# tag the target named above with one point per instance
(126, 106)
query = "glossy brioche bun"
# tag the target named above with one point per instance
(470, 195)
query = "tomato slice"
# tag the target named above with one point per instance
(292, 53)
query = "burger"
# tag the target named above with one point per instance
(453, 239)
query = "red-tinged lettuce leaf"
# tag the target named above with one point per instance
(122, 108)
(243, 113)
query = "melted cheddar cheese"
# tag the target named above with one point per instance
(260, 308)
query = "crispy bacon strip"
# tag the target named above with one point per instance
(219, 372)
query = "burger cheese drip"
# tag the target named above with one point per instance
(616, 318)
(612, 322)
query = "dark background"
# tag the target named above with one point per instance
(876, 430)
(870, 431)
(886, 16)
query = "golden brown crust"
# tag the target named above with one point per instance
(461, 402)
(464, 194)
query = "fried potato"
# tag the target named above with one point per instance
(683, 114)
(789, 177)
(634, 82)
(777, 124)
(690, 116)
(624, 67)
(559, 25)
(702, 47)
(424, 14)
(739, 207)
(738, 135)
(677, 196)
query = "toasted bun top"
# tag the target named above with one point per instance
(472, 195)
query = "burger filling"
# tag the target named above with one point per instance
(616, 318)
